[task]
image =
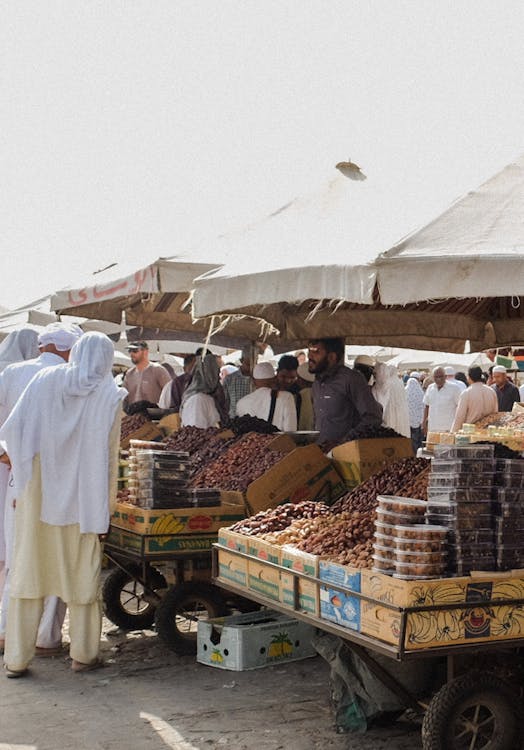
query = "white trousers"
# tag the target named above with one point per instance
(85, 627)
(50, 630)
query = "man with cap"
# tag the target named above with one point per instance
(366, 365)
(267, 402)
(55, 343)
(238, 384)
(507, 393)
(145, 380)
(450, 377)
(475, 402)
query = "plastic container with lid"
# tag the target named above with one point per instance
(510, 526)
(460, 510)
(484, 521)
(464, 451)
(462, 479)
(509, 557)
(508, 495)
(406, 506)
(464, 537)
(386, 553)
(429, 570)
(385, 529)
(419, 545)
(465, 566)
(510, 465)
(165, 472)
(509, 479)
(507, 510)
(403, 577)
(422, 531)
(382, 564)
(509, 536)
(462, 465)
(394, 518)
(426, 558)
(473, 551)
(459, 494)
(384, 540)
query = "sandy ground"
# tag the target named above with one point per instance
(148, 698)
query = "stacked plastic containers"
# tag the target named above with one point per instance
(404, 546)
(460, 497)
(508, 517)
(159, 479)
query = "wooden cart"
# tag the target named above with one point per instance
(475, 709)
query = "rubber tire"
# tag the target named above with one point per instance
(177, 598)
(440, 716)
(114, 611)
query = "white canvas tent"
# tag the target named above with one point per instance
(156, 301)
(412, 359)
(459, 278)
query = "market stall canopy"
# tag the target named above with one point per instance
(413, 359)
(38, 314)
(155, 299)
(459, 278)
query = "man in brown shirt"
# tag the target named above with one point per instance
(145, 380)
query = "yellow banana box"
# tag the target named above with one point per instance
(181, 520)
(476, 623)
(161, 546)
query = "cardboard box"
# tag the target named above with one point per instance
(233, 540)
(181, 520)
(232, 568)
(253, 640)
(357, 460)
(308, 594)
(304, 474)
(263, 579)
(148, 431)
(477, 622)
(160, 546)
(264, 551)
(340, 606)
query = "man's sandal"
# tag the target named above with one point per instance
(12, 673)
(78, 666)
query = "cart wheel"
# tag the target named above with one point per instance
(178, 613)
(474, 712)
(124, 598)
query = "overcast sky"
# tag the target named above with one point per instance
(132, 130)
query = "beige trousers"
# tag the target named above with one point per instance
(23, 619)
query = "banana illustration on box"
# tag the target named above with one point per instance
(168, 524)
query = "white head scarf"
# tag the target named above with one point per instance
(388, 390)
(62, 335)
(65, 415)
(18, 346)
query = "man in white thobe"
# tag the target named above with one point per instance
(475, 402)
(63, 441)
(55, 343)
(440, 403)
(283, 414)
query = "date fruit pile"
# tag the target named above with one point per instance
(247, 423)
(389, 481)
(189, 439)
(244, 461)
(345, 537)
(131, 423)
(279, 518)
